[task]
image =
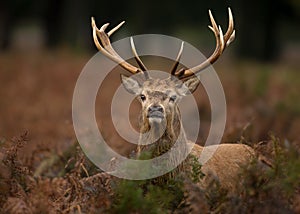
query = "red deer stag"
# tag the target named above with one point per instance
(161, 121)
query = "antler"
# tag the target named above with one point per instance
(106, 48)
(174, 68)
(222, 41)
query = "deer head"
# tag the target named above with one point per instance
(159, 97)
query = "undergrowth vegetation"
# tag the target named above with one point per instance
(271, 184)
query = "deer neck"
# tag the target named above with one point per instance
(161, 137)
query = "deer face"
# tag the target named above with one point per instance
(159, 97)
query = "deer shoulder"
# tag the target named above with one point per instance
(225, 163)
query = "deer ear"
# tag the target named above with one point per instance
(189, 86)
(131, 85)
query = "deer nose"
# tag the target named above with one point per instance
(155, 108)
(155, 111)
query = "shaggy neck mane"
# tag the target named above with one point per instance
(170, 131)
(173, 136)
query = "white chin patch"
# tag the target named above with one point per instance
(155, 120)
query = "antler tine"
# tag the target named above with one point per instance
(174, 68)
(138, 60)
(214, 27)
(222, 41)
(106, 48)
(230, 34)
(115, 28)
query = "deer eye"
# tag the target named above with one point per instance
(173, 98)
(143, 97)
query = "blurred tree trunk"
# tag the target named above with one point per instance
(257, 30)
(75, 23)
(8, 17)
(52, 19)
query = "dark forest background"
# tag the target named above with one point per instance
(265, 29)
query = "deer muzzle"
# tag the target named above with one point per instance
(155, 111)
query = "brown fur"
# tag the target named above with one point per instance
(225, 164)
